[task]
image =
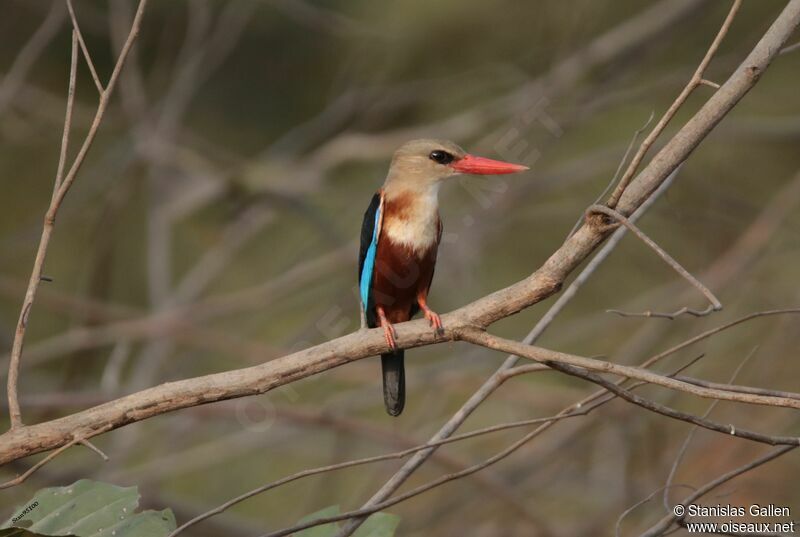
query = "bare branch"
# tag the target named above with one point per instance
(696, 80)
(614, 179)
(664, 524)
(50, 456)
(86, 56)
(715, 304)
(685, 446)
(667, 315)
(791, 443)
(49, 222)
(554, 358)
(62, 157)
(481, 313)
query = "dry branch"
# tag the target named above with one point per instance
(696, 80)
(22, 441)
(62, 186)
(553, 359)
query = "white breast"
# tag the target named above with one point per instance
(417, 227)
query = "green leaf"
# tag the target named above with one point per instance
(377, 525)
(87, 508)
(326, 530)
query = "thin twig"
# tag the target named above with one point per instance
(715, 304)
(49, 222)
(743, 389)
(367, 460)
(790, 48)
(665, 523)
(790, 442)
(694, 82)
(554, 358)
(86, 56)
(36, 275)
(483, 312)
(62, 157)
(685, 446)
(580, 409)
(632, 508)
(86, 443)
(664, 314)
(616, 391)
(52, 455)
(614, 179)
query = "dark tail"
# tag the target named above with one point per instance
(394, 382)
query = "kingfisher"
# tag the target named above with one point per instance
(400, 236)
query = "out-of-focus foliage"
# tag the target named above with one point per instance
(88, 509)
(377, 525)
(213, 226)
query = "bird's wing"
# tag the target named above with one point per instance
(370, 231)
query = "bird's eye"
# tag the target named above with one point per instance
(442, 157)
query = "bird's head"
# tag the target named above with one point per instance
(421, 163)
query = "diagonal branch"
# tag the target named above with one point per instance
(60, 191)
(23, 441)
(86, 56)
(668, 259)
(786, 443)
(555, 359)
(664, 524)
(696, 80)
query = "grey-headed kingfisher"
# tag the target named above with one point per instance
(399, 240)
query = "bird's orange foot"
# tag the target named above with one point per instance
(390, 334)
(435, 320)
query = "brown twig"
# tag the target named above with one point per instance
(580, 409)
(790, 443)
(586, 405)
(52, 455)
(617, 173)
(368, 460)
(49, 222)
(553, 359)
(589, 403)
(715, 304)
(687, 441)
(664, 524)
(86, 56)
(666, 315)
(36, 275)
(483, 312)
(694, 82)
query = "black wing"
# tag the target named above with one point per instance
(367, 231)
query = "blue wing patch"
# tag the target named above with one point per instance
(369, 259)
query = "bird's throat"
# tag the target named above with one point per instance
(411, 216)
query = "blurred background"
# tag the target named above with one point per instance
(214, 225)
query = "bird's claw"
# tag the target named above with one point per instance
(435, 320)
(389, 333)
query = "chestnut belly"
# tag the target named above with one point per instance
(401, 275)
